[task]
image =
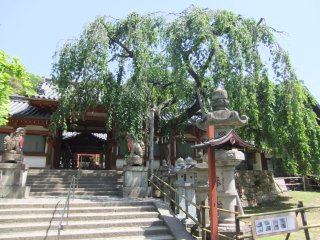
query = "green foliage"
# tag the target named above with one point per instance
(34, 81)
(145, 61)
(25, 86)
(12, 74)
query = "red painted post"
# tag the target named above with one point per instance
(213, 199)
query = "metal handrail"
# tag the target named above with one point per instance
(67, 204)
(173, 189)
(238, 214)
(276, 212)
(196, 221)
(201, 226)
(188, 200)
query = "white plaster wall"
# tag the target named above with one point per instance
(35, 161)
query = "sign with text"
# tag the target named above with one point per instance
(274, 224)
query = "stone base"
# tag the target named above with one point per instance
(135, 183)
(14, 192)
(13, 174)
(13, 177)
(135, 192)
(229, 229)
(135, 176)
(12, 157)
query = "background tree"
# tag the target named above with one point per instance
(142, 61)
(11, 72)
(26, 86)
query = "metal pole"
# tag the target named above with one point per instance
(212, 187)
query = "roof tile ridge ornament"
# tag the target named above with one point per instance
(220, 115)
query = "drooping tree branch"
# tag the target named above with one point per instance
(190, 69)
(163, 105)
(208, 61)
(130, 52)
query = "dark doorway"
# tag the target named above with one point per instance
(84, 150)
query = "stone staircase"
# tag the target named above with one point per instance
(51, 182)
(95, 218)
(97, 210)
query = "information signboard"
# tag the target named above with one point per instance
(274, 224)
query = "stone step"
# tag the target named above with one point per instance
(73, 170)
(67, 185)
(35, 226)
(93, 187)
(77, 203)
(91, 209)
(70, 173)
(89, 218)
(34, 178)
(80, 185)
(151, 237)
(80, 181)
(77, 193)
(44, 182)
(96, 212)
(104, 233)
(76, 216)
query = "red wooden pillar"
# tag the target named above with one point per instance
(213, 198)
(57, 149)
(49, 152)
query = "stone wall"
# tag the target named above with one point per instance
(255, 187)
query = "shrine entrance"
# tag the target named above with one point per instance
(87, 161)
(85, 151)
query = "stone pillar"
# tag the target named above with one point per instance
(135, 183)
(13, 177)
(201, 186)
(257, 164)
(226, 161)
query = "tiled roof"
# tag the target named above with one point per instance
(46, 90)
(230, 140)
(68, 135)
(20, 107)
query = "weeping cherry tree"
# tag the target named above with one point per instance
(158, 61)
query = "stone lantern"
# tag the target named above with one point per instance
(184, 185)
(225, 155)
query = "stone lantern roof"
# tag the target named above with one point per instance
(220, 116)
(230, 140)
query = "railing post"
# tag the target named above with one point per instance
(304, 221)
(203, 220)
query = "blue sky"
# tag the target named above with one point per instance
(33, 30)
